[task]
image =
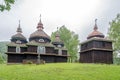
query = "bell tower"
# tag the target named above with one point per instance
(96, 49)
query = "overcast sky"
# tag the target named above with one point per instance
(76, 15)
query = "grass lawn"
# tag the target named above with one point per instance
(60, 71)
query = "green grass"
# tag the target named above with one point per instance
(60, 71)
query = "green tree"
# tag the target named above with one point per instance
(3, 49)
(1, 59)
(70, 40)
(114, 34)
(6, 5)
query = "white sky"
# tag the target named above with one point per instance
(76, 15)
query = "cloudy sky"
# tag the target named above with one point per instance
(76, 15)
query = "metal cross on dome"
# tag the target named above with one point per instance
(40, 17)
(95, 21)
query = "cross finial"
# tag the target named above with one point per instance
(19, 28)
(57, 35)
(19, 21)
(19, 24)
(57, 28)
(40, 25)
(40, 17)
(95, 21)
(95, 27)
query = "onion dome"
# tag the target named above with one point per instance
(95, 33)
(39, 35)
(57, 42)
(18, 38)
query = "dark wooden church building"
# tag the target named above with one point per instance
(39, 47)
(96, 49)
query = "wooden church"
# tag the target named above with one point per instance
(39, 47)
(96, 49)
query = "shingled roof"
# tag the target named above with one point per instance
(95, 32)
(39, 32)
(19, 35)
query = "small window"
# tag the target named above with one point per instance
(18, 42)
(18, 49)
(41, 49)
(59, 46)
(60, 52)
(41, 40)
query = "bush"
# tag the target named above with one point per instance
(41, 62)
(117, 61)
(1, 59)
(29, 62)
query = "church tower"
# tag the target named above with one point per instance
(59, 48)
(17, 47)
(96, 49)
(40, 46)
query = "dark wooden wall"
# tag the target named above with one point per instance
(86, 57)
(86, 46)
(102, 44)
(32, 48)
(103, 57)
(98, 55)
(23, 49)
(31, 56)
(60, 59)
(48, 59)
(49, 50)
(96, 44)
(15, 58)
(56, 51)
(11, 49)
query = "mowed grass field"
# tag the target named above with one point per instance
(60, 71)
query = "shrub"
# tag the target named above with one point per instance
(1, 59)
(29, 62)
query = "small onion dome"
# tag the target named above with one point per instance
(39, 34)
(57, 40)
(95, 33)
(18, 38)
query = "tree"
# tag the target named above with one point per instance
(1, 58)
(70, 40)
(3, 49)
(114, 34)
(7, 5)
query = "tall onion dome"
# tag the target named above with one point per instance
(58, 42)
(39, 35)
(95, 32)
(18, 38)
